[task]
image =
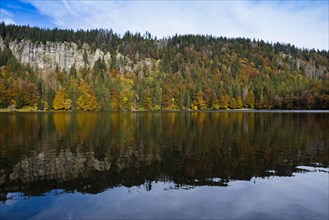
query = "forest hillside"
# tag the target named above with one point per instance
(54, 69)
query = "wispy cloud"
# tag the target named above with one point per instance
(68, 8)
(6, 16)
(302, 23)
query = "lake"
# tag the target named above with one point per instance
(164, 165)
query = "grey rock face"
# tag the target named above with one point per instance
(48, 56)
(64, 55)
(2, 45)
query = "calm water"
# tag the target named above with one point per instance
(164, 165)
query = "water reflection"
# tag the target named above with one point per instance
(91, 152)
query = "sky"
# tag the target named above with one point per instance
(299, 22)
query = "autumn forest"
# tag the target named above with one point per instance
(188, 72)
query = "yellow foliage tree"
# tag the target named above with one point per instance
(127, 92)
(87, 100)
(200, 100)
(232, 103)
(224, 101)
(61, 100)
(250, 100)
(239, 103)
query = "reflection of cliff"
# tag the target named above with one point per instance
(62, 167)
(80, 171)
(90, 152)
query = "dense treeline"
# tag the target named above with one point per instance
(183, 72)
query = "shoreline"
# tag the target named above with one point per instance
(182, 111)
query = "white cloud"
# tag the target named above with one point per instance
(304, 24)
(67, 6)
(6, 16)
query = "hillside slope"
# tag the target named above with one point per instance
(100, 70)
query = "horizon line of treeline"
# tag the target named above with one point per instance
(188, 72)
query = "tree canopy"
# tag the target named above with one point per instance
(198, 72)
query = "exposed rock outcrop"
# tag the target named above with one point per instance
(63, 55)
(2, 45)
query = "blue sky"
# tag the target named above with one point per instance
(303, 23)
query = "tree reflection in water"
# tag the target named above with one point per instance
(90, 152)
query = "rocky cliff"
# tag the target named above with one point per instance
(2, 45)
(63, 55)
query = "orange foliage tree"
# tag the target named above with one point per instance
(87, 100)
(61, 100)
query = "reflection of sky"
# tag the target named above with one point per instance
(304, 196)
